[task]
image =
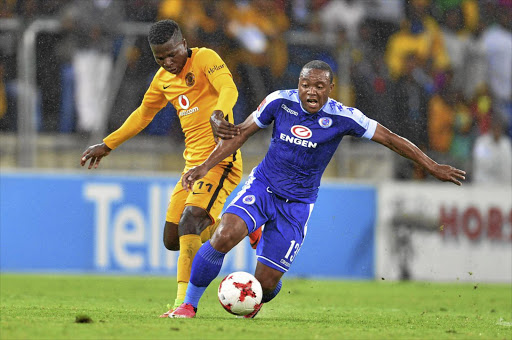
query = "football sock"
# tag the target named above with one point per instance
(177, 303)
(208, 231)
(180, 295)
(205, 235)
(269, 296)
(189, 245)
(205, 269)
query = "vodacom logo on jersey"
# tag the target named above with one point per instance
(301, 131)
(184, 103)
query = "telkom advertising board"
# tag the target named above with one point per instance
(110, 223)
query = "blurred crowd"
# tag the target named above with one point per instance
(438, 72)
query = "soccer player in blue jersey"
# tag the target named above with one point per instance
(281, 191)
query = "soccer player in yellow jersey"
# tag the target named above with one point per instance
(198, 84)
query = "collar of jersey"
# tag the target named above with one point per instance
(189, 51)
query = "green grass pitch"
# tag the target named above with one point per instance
(127, 307)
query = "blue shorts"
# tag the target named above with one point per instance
(285, 222)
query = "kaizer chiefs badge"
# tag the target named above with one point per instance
(190, 79)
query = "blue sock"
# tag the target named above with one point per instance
(269, 296)
(205, 268)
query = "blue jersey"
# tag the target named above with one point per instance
(303, 143)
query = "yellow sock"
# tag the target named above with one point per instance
(208, 231)
(205, 235)
(180, 296)
(189, 245)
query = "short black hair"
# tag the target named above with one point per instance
(162, 31)
(319, 65)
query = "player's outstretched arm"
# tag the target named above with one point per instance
(136, 122)
(223, 149)
(405, 148)
(95, 153)
(221, 127)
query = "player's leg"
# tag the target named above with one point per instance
(208, 262)
(208, 232)
(172, 242)
(281, 241)
(204, 201)
(243, 215)
(186, 235)
(194, 221)
(171, 237)
(270, 280)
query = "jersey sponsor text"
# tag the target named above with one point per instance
(290, 111)
(189, 111)
(298, 141)
(211, 70)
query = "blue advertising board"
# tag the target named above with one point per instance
(106, 223)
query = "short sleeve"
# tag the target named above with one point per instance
(364, 127)
(265, 114)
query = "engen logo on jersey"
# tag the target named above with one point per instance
(184, 102)
(300, 131)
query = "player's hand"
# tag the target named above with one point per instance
(95, 153)
(221, 127)
(192, 175)
(447, 173)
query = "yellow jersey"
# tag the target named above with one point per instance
(194, 94)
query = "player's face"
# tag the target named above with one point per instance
(172, 55)
(314, 89)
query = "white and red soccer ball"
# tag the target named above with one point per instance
(240, 293)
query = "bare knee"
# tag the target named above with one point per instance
(173, 245)
(171, 238)
(231, 231)
(224, 239)
(193, 221)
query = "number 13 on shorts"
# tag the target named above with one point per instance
(292, 251)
